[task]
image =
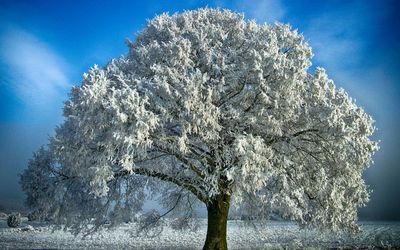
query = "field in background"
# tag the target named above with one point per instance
(277, 235)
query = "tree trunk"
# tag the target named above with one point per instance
(217, 210)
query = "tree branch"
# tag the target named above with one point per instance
(182, 182)
(181, 158)
(286, 138)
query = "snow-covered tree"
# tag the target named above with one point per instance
(210, 108)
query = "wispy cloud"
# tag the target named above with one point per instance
(261, 10)
(34, 72)
(335, 37)
(341, 40)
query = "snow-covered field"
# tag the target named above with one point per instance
(276, 236)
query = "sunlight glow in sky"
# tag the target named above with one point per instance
(46, 46)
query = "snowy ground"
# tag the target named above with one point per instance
(277, 235)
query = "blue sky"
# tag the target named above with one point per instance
(46, 46)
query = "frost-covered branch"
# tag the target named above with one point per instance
(193, 186)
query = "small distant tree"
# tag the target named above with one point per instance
(207, 108)
(14, 220)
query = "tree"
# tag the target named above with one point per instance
(207, 108)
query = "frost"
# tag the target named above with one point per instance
(206, 104)
(277, 235)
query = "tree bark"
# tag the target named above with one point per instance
(217, 210)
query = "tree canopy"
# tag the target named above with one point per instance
(206, 104)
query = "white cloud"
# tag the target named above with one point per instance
(35, 73)
(263, 10)
(341, 36)
(340, 41)
(335, 41)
